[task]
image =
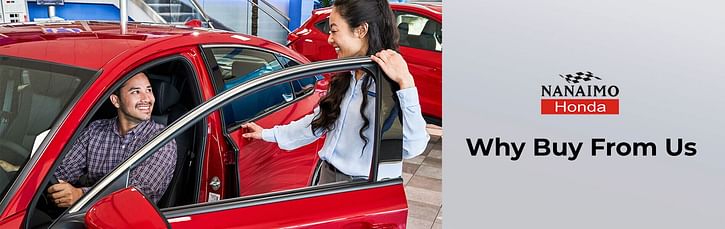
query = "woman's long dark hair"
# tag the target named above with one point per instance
(382, 34)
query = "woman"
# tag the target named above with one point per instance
(357, 28)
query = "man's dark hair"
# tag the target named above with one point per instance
(117, 92)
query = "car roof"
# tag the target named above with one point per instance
(92, 44)
(433, 7)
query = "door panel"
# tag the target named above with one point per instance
(213, 164)
(381, 207)
(264, 167)
(425, 66)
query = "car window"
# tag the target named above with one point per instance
(286, 62)
(239, 65)
(324, 25)
(419, 32)
(303, 86)
(32, 96)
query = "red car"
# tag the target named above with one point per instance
(55, 78)
(421, 38)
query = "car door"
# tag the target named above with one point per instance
(378, 202)
(421, 45)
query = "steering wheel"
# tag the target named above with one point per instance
(17, 153)
(5, 179)
(45, 211)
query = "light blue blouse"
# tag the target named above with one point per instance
(343, 147)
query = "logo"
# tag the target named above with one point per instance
(583, 94)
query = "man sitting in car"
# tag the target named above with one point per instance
(106, 143)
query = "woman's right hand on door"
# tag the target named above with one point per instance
(253, 130)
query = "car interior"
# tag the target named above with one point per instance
(240, 110)
(428, 37)
(175, 92)
(42, 97)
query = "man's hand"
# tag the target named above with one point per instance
(64, 194)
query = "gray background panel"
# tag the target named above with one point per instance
(667, 58)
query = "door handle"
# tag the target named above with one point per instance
(215, 183)
(288, 97)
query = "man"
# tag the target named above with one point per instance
(106, 143)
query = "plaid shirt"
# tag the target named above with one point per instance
(101, 148)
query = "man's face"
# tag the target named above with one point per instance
(135, 99)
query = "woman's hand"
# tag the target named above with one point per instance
(393, 64)
(254, 131)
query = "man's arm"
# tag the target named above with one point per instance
(153, 176)
(69, 171)
(74, 163)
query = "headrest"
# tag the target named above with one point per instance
(52, 85)
(166, 96)
(403, 27)
(241, 68)
(429, 28)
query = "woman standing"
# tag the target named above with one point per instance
(357, 28)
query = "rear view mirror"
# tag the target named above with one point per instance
(126, 208)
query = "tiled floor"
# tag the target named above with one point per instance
(423, 185)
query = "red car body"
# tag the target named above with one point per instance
(424, 62)
(227, 165)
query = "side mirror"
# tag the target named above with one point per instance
(193, 23)
(126, 208)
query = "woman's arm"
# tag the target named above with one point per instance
(288, 137)
(415, 136)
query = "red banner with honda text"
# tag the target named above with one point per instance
(579, 106)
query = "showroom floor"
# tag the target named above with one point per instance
(422, 176)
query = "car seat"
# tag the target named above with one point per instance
(403, 30)
(167, 109)
(428, 35)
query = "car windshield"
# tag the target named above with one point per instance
(32, 96)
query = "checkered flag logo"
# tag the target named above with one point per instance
(579, 77)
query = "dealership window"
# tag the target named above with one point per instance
(419, 32)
